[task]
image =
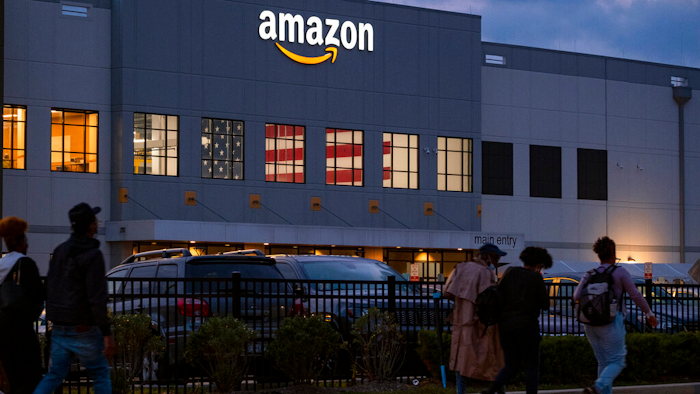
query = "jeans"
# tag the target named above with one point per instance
(608, 344)
(521, 350)
(67, 342)
(461, 383)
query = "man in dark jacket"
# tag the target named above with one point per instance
(76, 304)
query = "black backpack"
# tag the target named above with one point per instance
(597, 305)
(488, 306)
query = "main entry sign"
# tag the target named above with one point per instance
(285, 27)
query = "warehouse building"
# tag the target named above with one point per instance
(338, 127)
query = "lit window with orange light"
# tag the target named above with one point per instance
(14, 125)
(74, 140)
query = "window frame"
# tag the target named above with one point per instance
(211, 134)
(13, 135)
(145, 148)
(275, 164)
(500, 151)
(586, 159)
(85, 127)
(445, 152)
(539, 171)
(390, 169)
(352, 168)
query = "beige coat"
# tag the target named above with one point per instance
(474, 354)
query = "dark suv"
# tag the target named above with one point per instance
(178, 290)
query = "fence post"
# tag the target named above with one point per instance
(236, 294)
(647, 293)
(392, 294)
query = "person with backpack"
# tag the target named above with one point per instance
(601, 308)
(475, 351)
(22, 298)
(522, 295)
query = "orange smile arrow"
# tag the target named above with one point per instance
(333, 52)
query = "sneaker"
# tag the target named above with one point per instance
(591, 390)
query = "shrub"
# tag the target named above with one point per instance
(429, 352)
(567, 359)
(220, 348)
(303, 346)
(135, 340)
(377, 347)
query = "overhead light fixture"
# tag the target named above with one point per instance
(191, 242)
(460, 249)
(398, 247)
(266, 243)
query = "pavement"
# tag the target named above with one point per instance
(680, 388)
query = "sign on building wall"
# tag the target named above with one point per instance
(331, 33)
(503, 241)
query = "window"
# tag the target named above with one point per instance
(344, 157)
(73, 140)
(400, 161)
(495, 59)
(679, 81)
(284, 153)
(222, 149)
(74, 10)
(497, 168)
(155, 144)
(454, 164)
(14, 126)
(545, 171)
(592, 174)
(113, 286)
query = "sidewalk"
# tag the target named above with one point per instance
(679, 388)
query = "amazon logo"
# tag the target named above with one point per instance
(328, 33)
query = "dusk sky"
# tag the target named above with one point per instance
(660, 31)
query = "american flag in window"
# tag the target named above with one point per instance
(344, 154)
(284, 153)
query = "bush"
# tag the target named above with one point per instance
(378, 347)
(135, 341)
(220, 348)
(567, 359)
(429, 352)
(303, 346)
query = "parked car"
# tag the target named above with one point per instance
(672, 315)
(343, 288)
(167, 285)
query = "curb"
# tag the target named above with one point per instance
(679, 388)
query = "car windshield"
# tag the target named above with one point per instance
(343, 270)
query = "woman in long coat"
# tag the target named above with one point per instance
(475, 351)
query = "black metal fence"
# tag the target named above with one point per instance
(178, 307)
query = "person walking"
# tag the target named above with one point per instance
(523, 295)
(20, 352)
(475, 351)
(77, 306)
(608, 341)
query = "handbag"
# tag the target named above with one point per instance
(14, 300)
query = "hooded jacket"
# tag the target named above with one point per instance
(76, 285)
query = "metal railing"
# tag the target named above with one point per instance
(178, 307)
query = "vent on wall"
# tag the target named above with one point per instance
(74, 10)
(679, 81)
(496, 59)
